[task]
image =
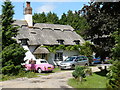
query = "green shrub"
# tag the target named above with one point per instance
(88, 71)
(79, 73)
(12, 57)
(114, 76)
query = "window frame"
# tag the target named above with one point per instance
(58, 56)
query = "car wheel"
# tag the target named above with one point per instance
(26, 69)
(39, 70)
(86, 64)
(61, 69)
(73, 66)
(50, 71)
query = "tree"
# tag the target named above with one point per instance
(63, 19)
(12, 53)
(86, 49)
(8, 31)
(12, 57)
(39, 18)
(114, 73)
(103, 19)
(52, 18)
(116, 49)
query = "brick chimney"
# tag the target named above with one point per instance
(28, 14)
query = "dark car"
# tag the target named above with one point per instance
(96, 60)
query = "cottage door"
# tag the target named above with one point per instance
(44, 56)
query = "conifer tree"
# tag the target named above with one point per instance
(52, 18)
(8, 31)
(39, 18)
(12, 53)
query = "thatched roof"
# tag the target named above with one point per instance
(40, 50)
(53, 26)
(48, 34)
(20, 22)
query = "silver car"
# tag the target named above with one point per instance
(73, 61)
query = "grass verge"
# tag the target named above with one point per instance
(27, 74)
(97, 80)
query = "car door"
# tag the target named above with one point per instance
(85, 60)
(80, 60)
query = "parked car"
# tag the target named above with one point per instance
(107, 60)
(96, 60)
(38, 65)
(73, 61)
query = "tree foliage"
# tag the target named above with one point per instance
(39, 18)
(86, 49)
(114, 73)
(77, 21)
(114, 76)
(8, 31)
(79, 73)
(103, 19)
(13, 53)
(50, 17)
(116, 48)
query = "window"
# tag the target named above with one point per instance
(58, 29)
(59, 56)
(70, 59)
(43, 62)
(46, 28)
(77, 42)
(41, 56)
(24, 42)
(81, 58)
(33, 32)
(60, 41)
(67, 30)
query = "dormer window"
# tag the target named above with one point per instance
(60, 41)
(77, 42)
(33, 32)
(46, 28)
(24, 41)
(58, 29)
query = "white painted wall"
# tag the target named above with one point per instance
(28, 54)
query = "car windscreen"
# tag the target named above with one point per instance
(43, 61)
(70, 59)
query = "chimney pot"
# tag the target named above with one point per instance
(28, 14)
(28, 4)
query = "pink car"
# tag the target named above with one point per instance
(39, 65)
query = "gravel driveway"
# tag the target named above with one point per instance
(54, 80)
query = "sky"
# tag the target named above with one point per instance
(58, 7)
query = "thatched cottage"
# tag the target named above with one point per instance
(33, 36)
